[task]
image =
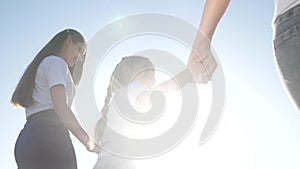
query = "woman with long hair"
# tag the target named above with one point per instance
(46, 91)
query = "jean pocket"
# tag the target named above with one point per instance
(291, 32)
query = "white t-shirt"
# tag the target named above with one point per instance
(116, 120)
(282, 6)
(52, 71)
(121, 125)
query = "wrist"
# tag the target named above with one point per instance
(85, 141)
(188, 75)
(205, 34)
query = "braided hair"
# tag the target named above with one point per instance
(121, 77)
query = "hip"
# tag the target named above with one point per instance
(45, 129)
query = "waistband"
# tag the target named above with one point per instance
(290, 13)
(46, 113)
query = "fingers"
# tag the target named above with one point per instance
(96, 149)
(203, 70)
(202, 79)
(93, 147)
(201, 61)
(196, 57)
(202, 64)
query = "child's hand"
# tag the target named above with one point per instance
(91, 146)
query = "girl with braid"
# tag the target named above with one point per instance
(136, 75)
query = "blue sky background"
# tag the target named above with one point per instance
(260, 127)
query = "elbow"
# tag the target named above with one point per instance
(62, 113)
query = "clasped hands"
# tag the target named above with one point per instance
(91, 146)
(202, 63)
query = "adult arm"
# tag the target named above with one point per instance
(212, 14)
(201, 53)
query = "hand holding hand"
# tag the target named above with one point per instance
(91, 146)
(201, 61)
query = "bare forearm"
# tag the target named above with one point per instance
(212, 13)
(99, 129)
(143, 102)
(69, 120)
(178, 81)
(65, 114)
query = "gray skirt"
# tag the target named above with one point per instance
(44, 143)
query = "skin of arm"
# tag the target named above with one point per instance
(180, 80)
(171, 85)
(201, 63)
(201, 53)
(67, 117)
(212, 14)
(99, 129)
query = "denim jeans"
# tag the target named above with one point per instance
(44, 143)
(287, 51)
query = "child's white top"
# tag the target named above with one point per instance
(119, 124)
(116, 119)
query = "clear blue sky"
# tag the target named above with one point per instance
(260, 127)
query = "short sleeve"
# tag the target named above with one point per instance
(57, 72)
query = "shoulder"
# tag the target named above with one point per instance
(54, 62)
(54, 59)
